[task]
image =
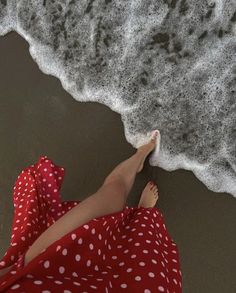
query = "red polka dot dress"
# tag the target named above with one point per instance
(127, 251)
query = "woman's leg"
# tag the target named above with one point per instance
(5, 270)
(110, 198)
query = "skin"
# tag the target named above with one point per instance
(4, 271)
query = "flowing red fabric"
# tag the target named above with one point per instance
(127, 251)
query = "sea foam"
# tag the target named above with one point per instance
(167, 65)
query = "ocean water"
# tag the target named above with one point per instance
(167, 65)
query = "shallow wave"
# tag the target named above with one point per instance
(167, 64)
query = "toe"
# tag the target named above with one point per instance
(156, 195)
(149, 185)
(154, 136)
(154, 187)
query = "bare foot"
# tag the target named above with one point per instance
(147, 148)
(149, 196)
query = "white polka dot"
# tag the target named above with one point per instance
(61, 270)
(67, 291)
(91, 246)
(80, 241)
(37, 282)
(45, 169)
(129, 270)
(161, 289)
(145, 251)
(151, 275)
(147, 291)
(55, 190)
(15, 286)
(29, 276)
(58, 248)
(162, 274)
(133, 255)
(93, 231)
(123, 286)
(77, 257)
(46, 291)
(86, 227)
(64, 251)
(77, 284)
(121, 264)
(115, 276)
(46, 264)
(73, 236)
(154, 261)
(138, 278)
(58, 282)
(142, 264)
(88, 263)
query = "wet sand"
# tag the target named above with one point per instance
(38, 117)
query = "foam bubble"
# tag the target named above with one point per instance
(167, 65)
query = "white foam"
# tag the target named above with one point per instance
(161, 66)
